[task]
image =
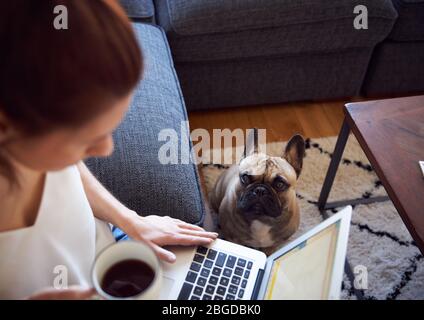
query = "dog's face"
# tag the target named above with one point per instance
(267, 184)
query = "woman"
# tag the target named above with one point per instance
(62, 93)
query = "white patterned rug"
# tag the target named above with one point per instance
(378, 238)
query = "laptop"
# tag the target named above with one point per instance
(310, 267)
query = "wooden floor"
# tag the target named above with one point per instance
(312, 120)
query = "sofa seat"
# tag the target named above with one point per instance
(133, 173)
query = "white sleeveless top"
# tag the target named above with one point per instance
(64, 240)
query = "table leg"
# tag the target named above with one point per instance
(326, 188)
(331, 174)
(334, 164)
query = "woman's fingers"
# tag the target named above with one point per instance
(163, 254)
(212, 235)
(73, 293)
(81, 294)
(188, 240)
(189, 226)
(186, 225)
(161, 231)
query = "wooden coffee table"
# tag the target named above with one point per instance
(391, 133)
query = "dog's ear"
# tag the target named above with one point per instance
(252, 144)
(294, 153)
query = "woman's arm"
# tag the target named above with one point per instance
(104, 205)
(155, 230)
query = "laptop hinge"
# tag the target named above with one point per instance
(257, 284)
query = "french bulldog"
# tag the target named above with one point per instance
(256, 199)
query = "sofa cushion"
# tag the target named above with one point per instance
(410, 24)
(205, 30)
(133, 173)
(139, 9)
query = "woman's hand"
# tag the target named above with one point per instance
(161, 231)
(72, 293)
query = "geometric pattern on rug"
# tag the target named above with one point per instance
(378, 238)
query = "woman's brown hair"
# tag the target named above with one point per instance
(51, 78)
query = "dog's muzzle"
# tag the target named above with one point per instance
(258, 200)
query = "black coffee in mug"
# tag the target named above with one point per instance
(127, 278)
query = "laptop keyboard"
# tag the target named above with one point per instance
(215, 275)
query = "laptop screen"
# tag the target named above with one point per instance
(305, 271)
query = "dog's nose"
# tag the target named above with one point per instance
(261, 191)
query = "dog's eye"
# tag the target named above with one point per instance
(280, 184)
(244, 179)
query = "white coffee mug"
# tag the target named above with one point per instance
(125, 250)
